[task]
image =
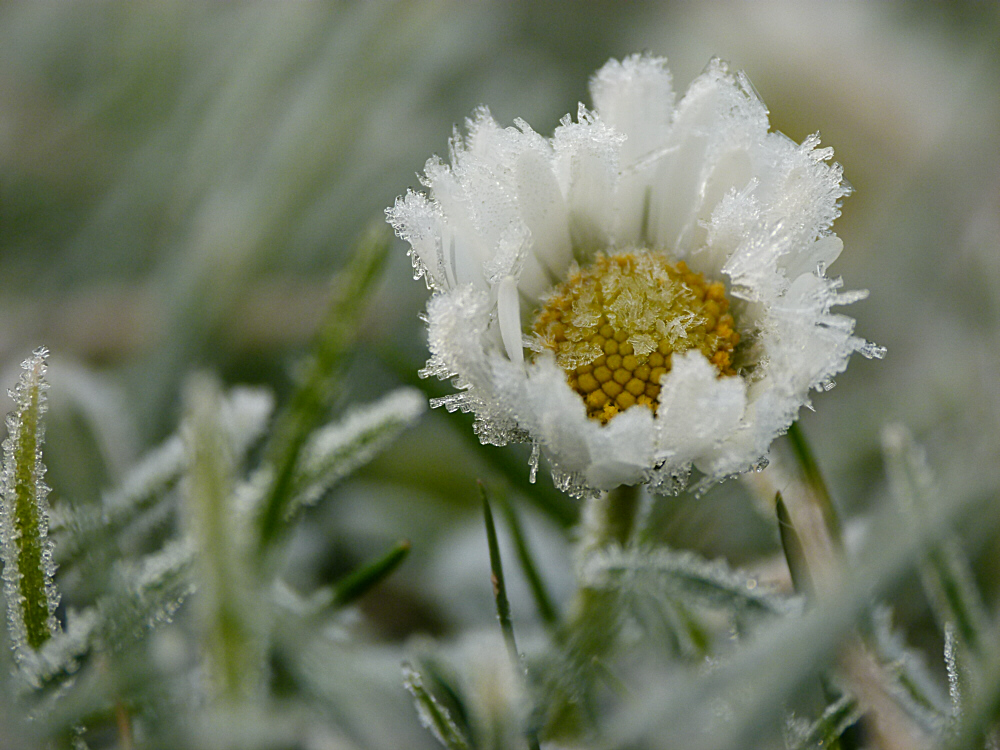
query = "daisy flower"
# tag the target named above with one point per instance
(642, 293)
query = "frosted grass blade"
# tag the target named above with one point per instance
(684, 575)
(28, 573)
(500, 595)
(792, 546)
(783, 657)
(245, 413)
(945, 571)
(918, 693)
(827, 730)
(60, 657)
(434, 716)
(499, 586)
(814, 479)
(227, 604)
(337, 450)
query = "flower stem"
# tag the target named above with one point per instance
(609, 519)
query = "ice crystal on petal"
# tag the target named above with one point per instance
(697, 178)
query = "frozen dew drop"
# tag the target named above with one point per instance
(872, 351)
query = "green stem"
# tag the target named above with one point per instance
(610, 518)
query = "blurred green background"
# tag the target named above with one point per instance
(179, 182)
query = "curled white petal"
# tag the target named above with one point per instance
(509, 315)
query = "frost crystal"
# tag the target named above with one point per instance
(699, 180)
(24, 518)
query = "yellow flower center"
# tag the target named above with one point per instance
(615, 324)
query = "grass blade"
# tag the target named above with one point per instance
(500, 594)
(546, 609)
(792, 546)
(684, 576)
(837, 718)
(319, 384)
(225, 591)
(434, 716)
(27, 550)
(337, 450)
(945, 571)
(499, 587)
(814, 479)
(362, 580)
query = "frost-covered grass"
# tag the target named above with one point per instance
(229, 519)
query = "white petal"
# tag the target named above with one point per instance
(621, 452)
(419, 221)
(586, 154)
(718, 117)
(509, 317)
(675, 184)
(636, 98)
(546, 407)
(543, 210)
(457, 333)
(463, 249)
(698, 409)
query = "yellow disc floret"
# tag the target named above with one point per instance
(615, 324)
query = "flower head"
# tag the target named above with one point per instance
(641, 293)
